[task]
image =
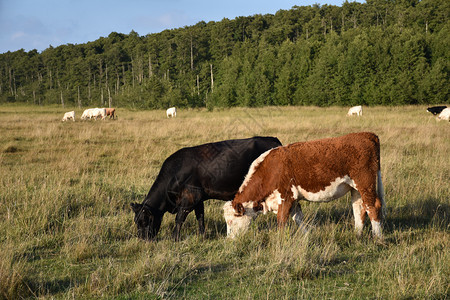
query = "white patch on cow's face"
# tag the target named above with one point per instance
(337, 188)
(376, 229)
(236, 224)
(252, 169)
(239, 224)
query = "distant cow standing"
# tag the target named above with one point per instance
(355, 110)
(69, 115)
(194, 174)
(316, 171)
(171, 112)
(87, 113)
(111, 113)
(99, 113)
(436, 110)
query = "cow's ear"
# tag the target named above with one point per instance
(136, 207)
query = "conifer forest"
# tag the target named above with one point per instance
(381, 52)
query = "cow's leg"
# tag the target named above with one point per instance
(200, 215)
(179, 220)
(359, 213)
(372, 205)
(284, 207)
(296, 214)
(377, 218)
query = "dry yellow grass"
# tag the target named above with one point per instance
(66, 229)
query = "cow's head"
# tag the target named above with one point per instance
(237, 224)
(147, 222)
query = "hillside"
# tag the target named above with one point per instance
(376, 53)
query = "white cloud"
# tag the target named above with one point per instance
(18, 35)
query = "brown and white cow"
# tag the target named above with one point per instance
(316, 171)
(110, 112)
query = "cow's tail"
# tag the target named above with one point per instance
(380, 188)
(380, 192)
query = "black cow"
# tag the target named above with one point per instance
(435, 110)
(194, 174)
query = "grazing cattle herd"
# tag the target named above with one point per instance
(258, 175)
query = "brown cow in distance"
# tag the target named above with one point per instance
(110, 112)
(316, 171)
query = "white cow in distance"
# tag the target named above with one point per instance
(99, 112)
(171, 112)
(69, 115)
(444, 115)
(355, 110)
(94, 113)
(87, 114)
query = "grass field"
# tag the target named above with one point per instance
(67, 230)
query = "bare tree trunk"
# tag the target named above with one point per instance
(150, 70)
(15, 87)
(79, 99)
(62, 99)
(10, 82)
(106, 75)
(89, 91)
(117, 84)
(89, 85)
(198, 86)
(50, 77)
(123, 76)
(100, 73)
(212, 80)
(192, 55)
(109, 98)
(132, 70)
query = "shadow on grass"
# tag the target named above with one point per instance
(415, 215)
(49, 287)
(418, 214)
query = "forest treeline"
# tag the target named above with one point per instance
(382, 52)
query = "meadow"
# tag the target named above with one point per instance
(67, 230)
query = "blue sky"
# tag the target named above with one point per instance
(37, 24)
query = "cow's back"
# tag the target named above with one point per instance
(222, 175)
(215, 169)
